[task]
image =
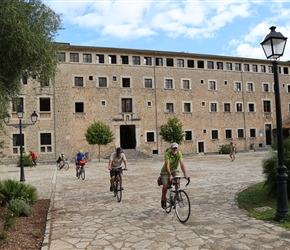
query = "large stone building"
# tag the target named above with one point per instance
(218, 99)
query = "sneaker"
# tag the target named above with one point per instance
(111, 189)
(163, 204)
(122, 188)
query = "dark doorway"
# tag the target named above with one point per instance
(268, 134)
(200, 147)
(128, 136)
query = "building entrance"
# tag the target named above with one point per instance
(128, 136)
(268, 134)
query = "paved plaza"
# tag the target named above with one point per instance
(85, 215)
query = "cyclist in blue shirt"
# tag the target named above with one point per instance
(79, 156)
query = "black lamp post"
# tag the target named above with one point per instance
(274, 45)
(20, 113)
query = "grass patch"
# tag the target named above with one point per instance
(260, 205)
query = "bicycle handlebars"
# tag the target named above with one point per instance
(182, 177)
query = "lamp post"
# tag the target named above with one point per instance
(273, 46)
(20, 113)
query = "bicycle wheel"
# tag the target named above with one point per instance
(83, 174)
(182, 206)
(66, 166)
(118, 190)
(168, 202)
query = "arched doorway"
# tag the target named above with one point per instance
(128, 136)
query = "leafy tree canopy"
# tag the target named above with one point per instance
(27, 48)
(99, 133)
(172, 131)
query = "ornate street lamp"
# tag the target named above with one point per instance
(20, 114)
(273, 46)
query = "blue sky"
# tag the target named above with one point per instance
(218, 27)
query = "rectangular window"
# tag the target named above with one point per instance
(240, 133)
(168, 84)
(228, 134)
(169, 108)
(136, 60)
(188, 135)
(253, 133)
(187, 107)
(62, 57)
(180, 63)
(159, 61)
(238, 86)
(213, 107)
(127, 105)
(267, 106)
(24, 79)
(74, 57)
(79, 81)
(79, 107)
(16, 143)
(103, 82)
(285, 70)
(238, 67)
(212, 85)
(265, 87)
(250, 87)
(255, 68)
(44, 107)
(148, 83)
(112, 59)
(16, 104)
(185, 84)
(251, 107)
(150, 137)
(246, 67)
(214, 134)
(239, 107)
(147, 60)
(124, 60)
(227, 107)
(270, 69)
(229, 66)
(200, 64)
(220, 65)
(210, 65)
(190, 63)
(126, 83)
(87, 58)
(45, 143)
(169, 62)
(100, 58)
(263, 68)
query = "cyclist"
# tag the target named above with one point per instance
(115, 162)
(79, 156)
(33, 157)
(173, 158)
(61, 159)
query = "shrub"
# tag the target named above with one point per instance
(26, 160)
(3, 236)
(9, 221)
(11, 189)
(225, 149)
(270, 164)
(18, 208)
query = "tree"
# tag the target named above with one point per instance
(27, 47)
(100, 134)
(270, 164)
(172, 131)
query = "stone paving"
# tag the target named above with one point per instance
(85, 215)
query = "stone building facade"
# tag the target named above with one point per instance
(218, 99)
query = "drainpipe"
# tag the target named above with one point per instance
(54, 117)
(156, 115)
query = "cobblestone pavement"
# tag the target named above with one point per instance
(85, 215)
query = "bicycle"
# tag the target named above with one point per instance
(81, 169)
(64, 165)
(117, 184)
(178, 199)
